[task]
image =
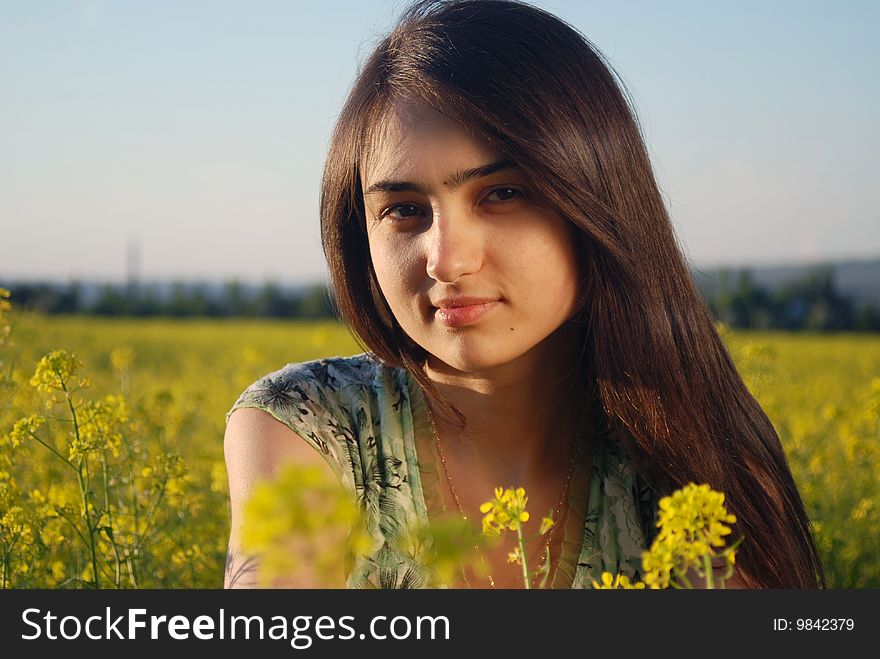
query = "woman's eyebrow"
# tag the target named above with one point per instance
(455, 181)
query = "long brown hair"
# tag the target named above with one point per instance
(541, 93)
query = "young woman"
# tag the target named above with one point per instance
(497, 242)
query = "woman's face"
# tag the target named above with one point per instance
(446, 219)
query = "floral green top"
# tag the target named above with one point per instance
(363, 417)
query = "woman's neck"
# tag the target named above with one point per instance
(522, 416)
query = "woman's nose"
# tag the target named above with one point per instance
(455, 247)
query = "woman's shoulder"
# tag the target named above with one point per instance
(298, 385)
(332, 372)
(326, 399)
(317, 399)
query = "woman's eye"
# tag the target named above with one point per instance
(504, 194)
(401, 212)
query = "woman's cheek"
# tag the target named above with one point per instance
(408, 268)
(396, 282)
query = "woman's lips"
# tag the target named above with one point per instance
(461, 316)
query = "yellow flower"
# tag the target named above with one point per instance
(625, 583)
(620, 581)
(122, 358)
(607, 581)
(100, 427)
(694, 514)
(693, 523)
(657, 565)
(301, 517)
(506, 511)
(59, 569)
(515, 556)
(24, 428)
(55, 371)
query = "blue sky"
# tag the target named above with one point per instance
(198, 129)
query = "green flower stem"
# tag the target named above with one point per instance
(65, 516)
(112, 536)
(154, 504)
(91, 537)
(7, 552)
(686, 583)
(53, 450)
(83, 484)
(73, 525)
(707, 565)
(129, 561)
(522, 551)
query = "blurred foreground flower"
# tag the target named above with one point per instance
(446, 547)
(621, 581)
(305, 531)
(303, 527)
(693, 523)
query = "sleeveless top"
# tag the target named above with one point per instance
(363, 417)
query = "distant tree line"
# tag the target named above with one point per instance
(810, 303)
(183, 300)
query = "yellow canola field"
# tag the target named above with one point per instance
(133, 495)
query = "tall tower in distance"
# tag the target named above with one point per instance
(133, 267)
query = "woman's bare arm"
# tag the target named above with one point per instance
(255, 446)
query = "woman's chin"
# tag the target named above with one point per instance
(470, 358)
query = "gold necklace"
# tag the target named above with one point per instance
(550, 533)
